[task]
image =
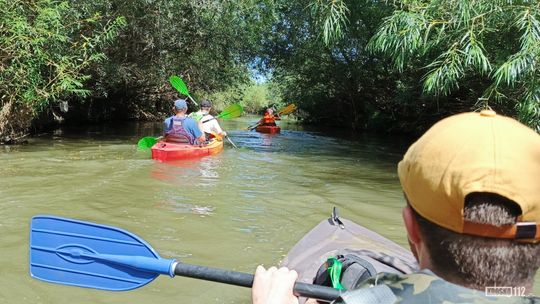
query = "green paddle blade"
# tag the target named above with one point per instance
(179, 85)
(147, 142)
(231, 111)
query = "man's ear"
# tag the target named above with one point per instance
(413, 231)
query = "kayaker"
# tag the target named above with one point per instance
(269, 118)
(472, 215)
(210, 125)
(181, 128)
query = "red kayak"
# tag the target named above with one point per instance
(165, 151)
(268, 129)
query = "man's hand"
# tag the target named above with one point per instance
(274, 286)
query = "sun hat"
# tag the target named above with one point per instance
(475, 152)
(180, 104)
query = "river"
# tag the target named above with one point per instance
(235, 210)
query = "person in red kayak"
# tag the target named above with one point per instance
(472, 218)
(269, 118)
(181, 128)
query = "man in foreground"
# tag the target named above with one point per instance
(182, 129)
(472, 187)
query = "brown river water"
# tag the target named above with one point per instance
(236, 210)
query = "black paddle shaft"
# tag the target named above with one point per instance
(246, 280)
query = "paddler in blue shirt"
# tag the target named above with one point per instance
(181, 128)
(471, 185)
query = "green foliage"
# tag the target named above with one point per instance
(253, 97)
(333, 58)
(58, 51)
(46, 52)
(47, 49)
(495, 42)
(208, 43)
(333, 80)
(257, 97)
(331, 16)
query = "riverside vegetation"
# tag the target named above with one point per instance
(394, 66)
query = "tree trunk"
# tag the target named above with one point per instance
(15, 120)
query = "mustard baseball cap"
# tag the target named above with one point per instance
(475, 152)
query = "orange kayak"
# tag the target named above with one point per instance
(268, 129)
(165, 151)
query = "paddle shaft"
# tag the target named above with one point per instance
(232, 143)
(252, 127)
(226, 136)
(246, 280)
(189, 96)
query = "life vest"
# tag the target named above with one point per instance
(177, 133)
(268, 119)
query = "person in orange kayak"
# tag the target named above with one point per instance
(269, 118)
(181, 128)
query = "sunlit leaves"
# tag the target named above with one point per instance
(47, 53)
(456, 40)
(332, 78)
(209, 43)
(514, 68)
(400, 36)
(474, 53)
(444, 72)
(332, 18)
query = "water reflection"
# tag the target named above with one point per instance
(234, 210)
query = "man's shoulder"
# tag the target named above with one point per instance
(426, 287)
(207, 117)
(190, 121)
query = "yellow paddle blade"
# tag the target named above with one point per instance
(288, 109)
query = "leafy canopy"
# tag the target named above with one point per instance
(494, 40)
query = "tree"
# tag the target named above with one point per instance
(488, 47)
(47, 48)
(317, 53)
(61, 51)
(210, 44)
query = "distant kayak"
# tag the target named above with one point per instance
(165, 151)
(340, 237)
(268, 129)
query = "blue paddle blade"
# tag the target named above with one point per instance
(84, 254)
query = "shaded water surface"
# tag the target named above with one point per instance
(234, 210)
